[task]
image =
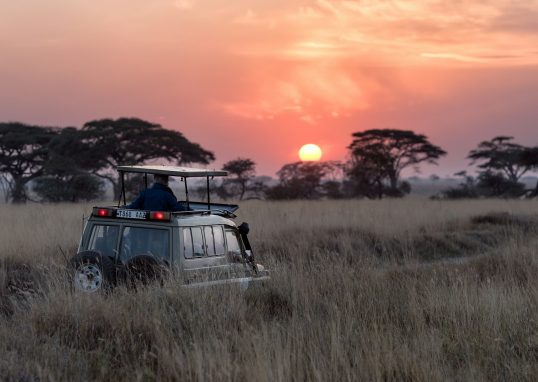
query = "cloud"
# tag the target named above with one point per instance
(183, 4)
(328, 46)
(400, 28)
(453, 56)
(309, 93)
(518, 18)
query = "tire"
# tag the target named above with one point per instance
(92, 272)
(146, 269)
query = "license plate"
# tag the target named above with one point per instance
(131, 214)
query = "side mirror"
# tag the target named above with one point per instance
(244, 229)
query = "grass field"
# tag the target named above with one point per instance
(361, 290)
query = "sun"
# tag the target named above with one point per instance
(310, 153)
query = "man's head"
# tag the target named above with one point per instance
(162, 179)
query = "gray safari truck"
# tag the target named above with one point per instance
(200, 247)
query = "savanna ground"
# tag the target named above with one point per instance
(360, 290)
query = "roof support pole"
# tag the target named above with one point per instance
(122, 193)
(208, 197)
(123, 188)
(186, 193)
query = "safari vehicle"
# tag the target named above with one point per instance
(201, 247)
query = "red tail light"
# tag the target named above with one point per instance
(102, 212)
(159, 215)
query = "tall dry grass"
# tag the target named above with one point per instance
(360, 290)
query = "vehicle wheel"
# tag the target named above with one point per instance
(146, 269)
(92, 272)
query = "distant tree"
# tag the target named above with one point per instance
(501, 154)
(23, 153)
(495, 184)
(258, 186)
(131, 141)
(333, 189)
(466, 189)
(72, 188)
(67, 170)
(379, 156)
(488, 184)
(502, 163)
(242, 171)
(365, 178)
(301, 180)
(529, 158)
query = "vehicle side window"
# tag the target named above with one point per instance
(144, 241)
(232, 241)
(197, 242)
(218, 235)
(104, 239)
(209, 241)
(187, 243)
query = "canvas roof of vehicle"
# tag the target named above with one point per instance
(185, 172)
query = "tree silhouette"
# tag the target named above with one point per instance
(380, 155)
(243, 171)
(501, 154)
(132, 141)
(67, 169)
(529, 158)
(302, 180)
(23, 153)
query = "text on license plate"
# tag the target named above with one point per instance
(130, 214)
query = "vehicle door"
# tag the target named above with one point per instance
(204, 254)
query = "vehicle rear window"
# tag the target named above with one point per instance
(144, 241)
(104, 239)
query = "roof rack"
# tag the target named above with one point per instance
(183, 172)
(219, 212)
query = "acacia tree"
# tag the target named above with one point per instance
(529, 158)
(366, 175)
(23, 153)
(302, 180)
(132, 141)
(243, 171)
(67, 170)
(380, 155)
(501, 155)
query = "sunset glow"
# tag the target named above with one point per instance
(310, 153)
(266, 76)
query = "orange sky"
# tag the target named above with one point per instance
(261, 78)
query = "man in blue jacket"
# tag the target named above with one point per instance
(158, 197)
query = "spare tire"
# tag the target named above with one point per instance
(146, 269)
(92, 272)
